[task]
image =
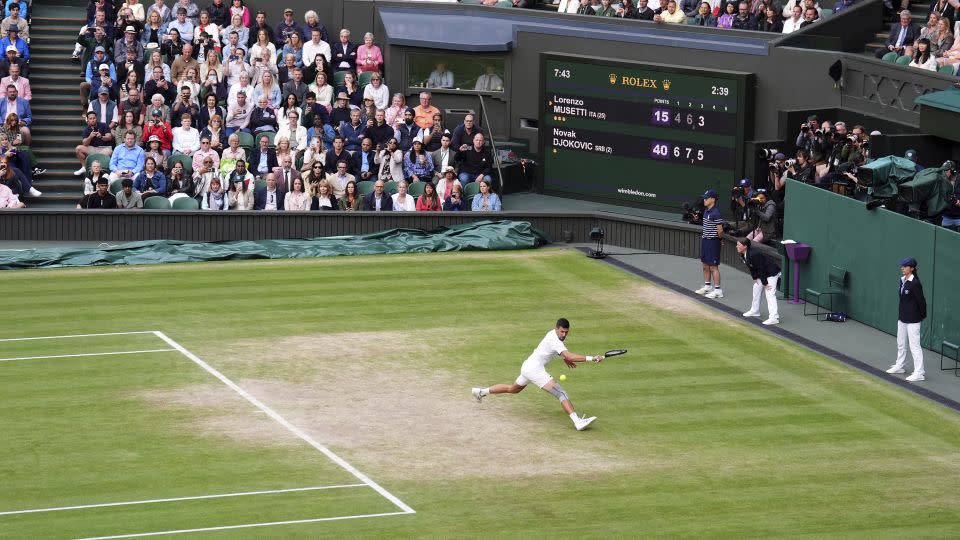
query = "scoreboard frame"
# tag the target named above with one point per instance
(744, 126)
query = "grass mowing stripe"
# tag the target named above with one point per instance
(111, 353)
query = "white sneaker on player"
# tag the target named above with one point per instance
(894, 370)
(716, 293)
(771, 321)
(916, 377)
(79, 171)
(478, 394)
(34, 192)
(704, 290)
(582, 423)
(751, 313)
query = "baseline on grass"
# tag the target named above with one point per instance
(173, 346)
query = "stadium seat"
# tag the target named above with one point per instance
(338, 78)
(364, 78)
(186, 160)
(365, 187)
(246, 141)
(890, 57)
(156, 203)
(390, 187)
(825, 12)
(903, 60)
(185, 203)
(104, 161)
(470, 190)
(415, 189)
(947, 70)
(116, 186)
(954, 355)
(836, 283)
(259, 184)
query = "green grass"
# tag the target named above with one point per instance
(707, 428)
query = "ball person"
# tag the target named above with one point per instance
(913, 310)
(765, 274)
(534, 370)
(710, 242)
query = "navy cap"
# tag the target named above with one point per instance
(909, 261)
(779, 156)
(710, 194)
(745, 182)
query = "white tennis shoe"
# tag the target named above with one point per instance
(714, 294)
(916, 377)
(582, 423)
(771, 321)
(703, 290)
(751, 313)
(478, 394)
(894, 370)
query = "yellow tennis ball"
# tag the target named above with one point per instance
(563, 378)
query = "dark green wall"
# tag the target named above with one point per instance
(869, 245)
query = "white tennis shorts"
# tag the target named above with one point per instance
(533, 372)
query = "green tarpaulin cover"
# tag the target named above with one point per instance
(477, 236)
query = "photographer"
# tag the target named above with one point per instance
(810, 137)
(801, 170)
(762, 224)
(739, 196)
(951, 214)
(765, 274)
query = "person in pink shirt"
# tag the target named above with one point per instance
(369, 56)
(8, 199)
(22, 83)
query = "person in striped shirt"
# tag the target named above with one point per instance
(710, 242)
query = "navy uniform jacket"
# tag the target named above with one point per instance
(913, 306)
(761, 267)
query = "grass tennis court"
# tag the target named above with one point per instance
(707, 428)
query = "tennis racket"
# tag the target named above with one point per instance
(614, 352)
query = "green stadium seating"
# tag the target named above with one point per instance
(947, 70)
(116, 186)
(365, 187)
(259, 184)
(364, 78)
(246, 141)
(415, 189)
(156, 203)
(890, 57)
(338, 79)
(390, 187)
(903, 60)
(470, 190)
(185, 203)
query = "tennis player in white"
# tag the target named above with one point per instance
(534, 370)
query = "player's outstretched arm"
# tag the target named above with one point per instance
(571, 359)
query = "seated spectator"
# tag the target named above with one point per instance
(156, 61)
(902, 35)
(263, 159)
(314, 156)
(186, 138)
(703, 17)
(394, 113)
(364, 161)
(369, 56)
(295, 133)
(584, 8)
(206, 152)
(158, 154)
(263, 43)
(239, 173)
(237, 8)
(417, 163)
(101, 199)
(296, 199)
(489, 81)
(352, 132)
(338, 181)
(11, 59)
(235, 70)
(315, 46)
(130, 96)
(429, 201)
(230, 154)
(340, 113)
(185, 104)
(127, 198)
(322, 91)
(378, 200)
(313, 176)
(90, 180)
(127, 160)
(233, 38)
(671, 15)
(922, 57)
(930, 29)
(486, 200)
(941, 7)
(295, 87)
(8, 199)
(462, 136)
(771, 21)
(14, 105)
(215, 132)
(432, 137)
(97, 34)
(96, 139)
(182, 26)
(161, 8)
(268, 88)
(455, 202)
(183, 62)
(22, 83)
(238, 115)
(344, 53)
(268, 198)
(203, 177)
(172, 46)
(325, 199)
(726, 19)
(206, 37)
(129, 41)
(448, 180)
(129, 123)
(158, 127)
(264, 117)
(943, 42)
(792, 23)
(14, 19)
(378, 91)
(210, 109)
(240, 196)
(294, 48)
(810, 16)
(215, 198)
(476, 162)
(351, 201)
(153, 31)
(336, 154)
(441, 77)
(283, 148)
(158, 86)
(352, 89)
(606, 10)
(390, 162)
(150, 182)
(744, 19)
(103, 81)
(13, 40)
(401, 200)
(379, 132)
(285, 174)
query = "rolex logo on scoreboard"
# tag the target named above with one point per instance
(613, 78)
(666, 84)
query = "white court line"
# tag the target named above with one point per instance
(244, 526)
(174, 499)
(76, 336)
(85, 354)
(292, 428)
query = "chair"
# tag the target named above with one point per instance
(470, 190)
(246, 140)
(338, 78)
(259, 184)
(903, 60)
(156, 203)
(955, 356)
(947, 70)
(836, 283)
(890, 57)
(116, 186)
(415, 189)
(365, 187)
(364, 78)
(180, 158)
(825, 12)
(390, 187)
(271, 136)
(184, 203)
(104, 162)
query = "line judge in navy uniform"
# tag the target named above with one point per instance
(765, 273)
(913, 310)
(710, 241)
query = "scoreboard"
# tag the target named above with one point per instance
(640, 134)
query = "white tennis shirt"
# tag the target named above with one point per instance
(549, 347)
